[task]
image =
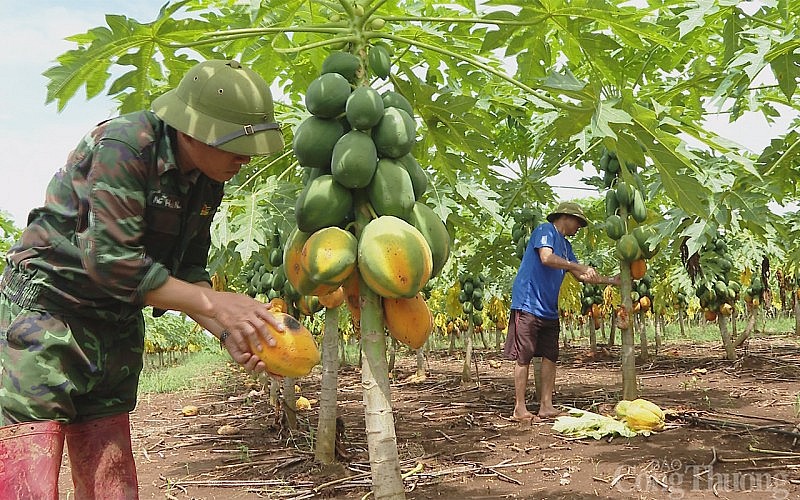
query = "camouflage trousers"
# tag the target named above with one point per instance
(67, 369)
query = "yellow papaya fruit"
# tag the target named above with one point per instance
(394, 259)
(328, 255)
(640, 415)
(295, 352)
(296, 275)
(408, 320)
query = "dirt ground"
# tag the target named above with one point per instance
(726, 422)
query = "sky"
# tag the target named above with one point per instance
(35, 138)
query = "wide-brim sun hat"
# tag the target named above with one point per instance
(569, 208)
(225, 105)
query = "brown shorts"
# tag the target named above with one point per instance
(530, 336)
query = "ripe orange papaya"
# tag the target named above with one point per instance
(352, 295)
(279, 305)
(644, 303)
(394, 259)
(295, 353)
(408, 320)
(329, 255)
(333, 299)
(296, 275)
(638, 268)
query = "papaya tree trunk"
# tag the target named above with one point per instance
(325, 444)
(392, 354)
(644, 348)
(452, 348)
(497, 334)
(751, 324)
(730, 349)
(421, 364)
(681, 323)
(630, 389)
(592, 334)
(658, 327)
(466, 373)
(387, 482)
(796, 305)
(603, 327)
(289, 403)
(734, 322)
(484, 341)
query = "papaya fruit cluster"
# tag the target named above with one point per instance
(264, 274)
(626, 212)
(471, 296)
(641, 294)
(525, 221)
(592, 301)
(718, 290)
(356, 149)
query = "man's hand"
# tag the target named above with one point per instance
(590, 275)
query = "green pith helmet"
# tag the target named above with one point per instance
(225, 105)
(569, 208)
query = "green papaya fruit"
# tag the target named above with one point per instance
(327, 95)
(390, 192)
(354, 160)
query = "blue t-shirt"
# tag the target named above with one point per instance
(536, 286)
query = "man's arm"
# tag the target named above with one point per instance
(581, 272)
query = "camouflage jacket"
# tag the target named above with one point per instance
(118, 219)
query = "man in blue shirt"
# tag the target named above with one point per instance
(533, 327)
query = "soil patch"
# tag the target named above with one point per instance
(725, 419)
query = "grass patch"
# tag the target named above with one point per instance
(201, 370)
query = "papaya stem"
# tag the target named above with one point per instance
(314, 45)
(263, 169)
(539, 95)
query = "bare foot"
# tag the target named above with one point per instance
(550, 413)
(523, 417)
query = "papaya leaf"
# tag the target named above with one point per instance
(786, 68)
(606, 114)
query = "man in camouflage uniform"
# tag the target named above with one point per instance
(125, 224)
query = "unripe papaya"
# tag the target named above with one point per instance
(391, 192)
(395, 133)
(615, 227)
(408, 320)
(354, 160)
(628, 248)
(295, 353)
(392, 99)
(322, 203)
(364, 108)
(327, 95)
(611, 203)
(380, 62)
(419, 181)
(394, 259)
(638, 208)
(343, 63)
(624, 193)
(314, 140)
(435, 233)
